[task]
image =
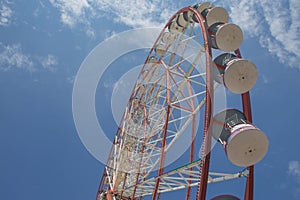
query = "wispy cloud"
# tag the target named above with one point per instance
(49, 62)
(72, 11)
(5, 13)
(70, 79)
(13, 57)
(138, 13)
(294, 170)
(134, 13)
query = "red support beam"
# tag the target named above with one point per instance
(250, 179)
(246, 103)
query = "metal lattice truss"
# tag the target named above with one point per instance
(165, 101)
(167, 96)
(180, 178)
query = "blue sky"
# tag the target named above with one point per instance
(42, 46)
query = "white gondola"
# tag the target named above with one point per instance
(188, 16)
(168, 38)
(244, 144)
(237, 74)
(180, 20)
(160, 50)
(214, 15)
(174, 28)
(226, 37)
(200, 8)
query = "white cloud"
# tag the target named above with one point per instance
(72, 11)
(91, 33)
(294, 170)
(49, 62)
(246, 14)
(134, 13)
(11, 56)
(265, 79)
(71, 79)
(5, 14)
(284, 27)
(139, 13)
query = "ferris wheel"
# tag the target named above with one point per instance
(173, 94)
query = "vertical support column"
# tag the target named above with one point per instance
(250, 179)
(246, 102)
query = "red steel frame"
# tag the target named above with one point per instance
(246, 102)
